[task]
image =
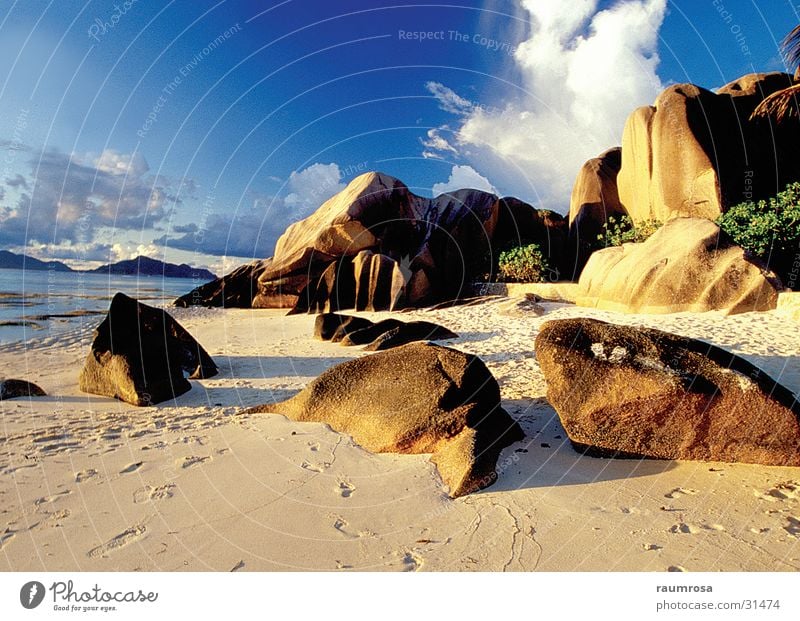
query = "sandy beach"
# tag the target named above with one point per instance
(90, 483)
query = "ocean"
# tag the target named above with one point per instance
(37, 304)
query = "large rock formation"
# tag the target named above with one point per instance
(234, 290)
(689, 264)
(140, 353)
(636, 392)
(392, 248)
(417, 398)
(695, 152)
(594, 199)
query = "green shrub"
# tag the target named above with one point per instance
(769, 230)
(766, 227)
(622, 230)
(522, 264)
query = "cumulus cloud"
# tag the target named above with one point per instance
(67, 199)
(311, 187)
(582, 72)
(80, 254)
(252, 232)
(464, 177)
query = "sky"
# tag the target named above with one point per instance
(196, 131)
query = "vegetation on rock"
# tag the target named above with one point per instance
(623, 230)
(769, 229)
(522, 264)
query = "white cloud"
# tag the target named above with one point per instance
(311, 187)
(448, 99)
(464, 177)
(252, 232)
(147, 250)
(436, 144)
(68, 199)
(582, 73)
(117, 163)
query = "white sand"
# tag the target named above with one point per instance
(89, 483)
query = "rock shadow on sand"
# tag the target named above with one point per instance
(546, 458)
(268, 367)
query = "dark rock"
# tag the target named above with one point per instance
(410, 332)
(418, 398)
(326, 324)
(334, 290)
(636, 392)
(380, 282)
(234, 290)
(334, 327)
(352, 324)
(140, 353)
(369, 334)
(13, 388)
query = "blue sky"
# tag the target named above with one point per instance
(193, 130)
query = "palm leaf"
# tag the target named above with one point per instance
(791, 47)
(782, 104)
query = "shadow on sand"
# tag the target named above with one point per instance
(545, 457)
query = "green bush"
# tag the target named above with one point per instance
(522, 264)
(766, 227)
(622, 230)
(769, 230)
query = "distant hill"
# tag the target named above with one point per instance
(145, 266)
(10, 260)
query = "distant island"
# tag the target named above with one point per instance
(9, 260)
(142, 266)
(145, 266)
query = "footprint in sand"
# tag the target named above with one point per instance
(410, 561)
(148, 493)
(315, 467)
(6, 536)
(345, 489)
(131, 467)
(687, 529)
(191, 461)
(85, 475)
(48, 499)
(340, 524)
(120, 541)
(788, 490)
(793, 527)
(681, 491)
(313, 446)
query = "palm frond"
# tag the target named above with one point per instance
(782, 104)
(791, 47)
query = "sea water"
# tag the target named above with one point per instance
(35, 304)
